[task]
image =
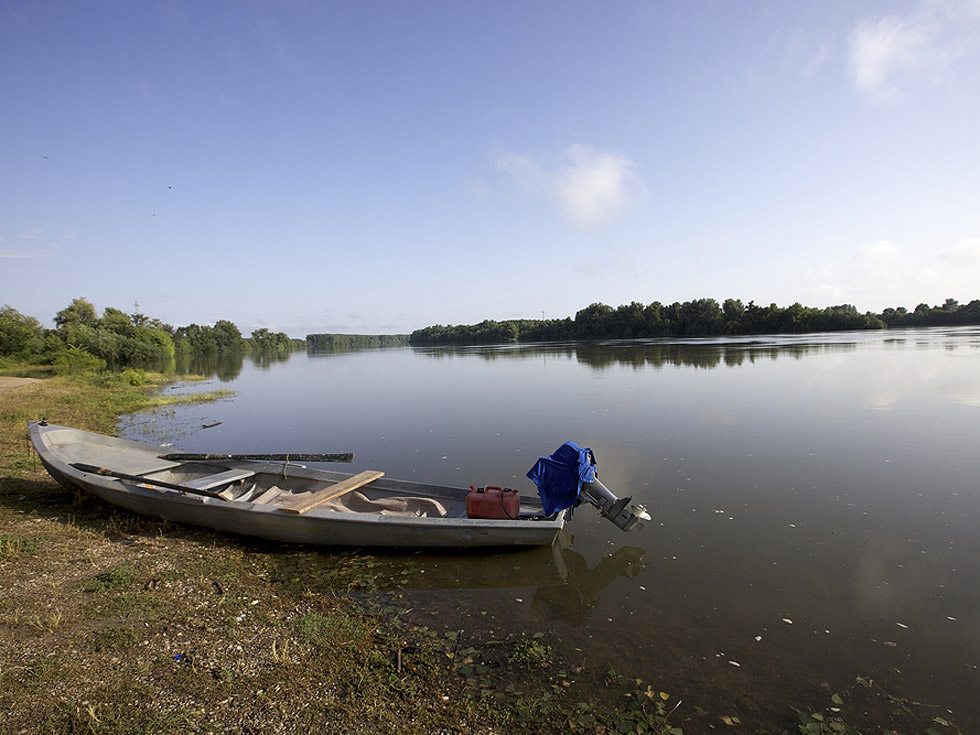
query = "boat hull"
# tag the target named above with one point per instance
(59, 448)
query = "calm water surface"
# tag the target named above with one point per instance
(815, 499)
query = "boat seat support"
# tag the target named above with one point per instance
(209, 482)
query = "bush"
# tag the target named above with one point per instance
(131, 376)
(76, 360)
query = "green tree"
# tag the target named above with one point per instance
(20, 336)
(701, 317)
(592, 321)
(733, 312)
(227, 338)
(117, 321)
(80, 311)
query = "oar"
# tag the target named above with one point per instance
(92, 469)
(185, 456)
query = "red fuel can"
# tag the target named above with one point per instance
(492, 502)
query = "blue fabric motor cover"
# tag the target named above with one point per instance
(559, 477)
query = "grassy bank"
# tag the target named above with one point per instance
(113, 623)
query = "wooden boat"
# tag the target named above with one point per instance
(278, 500)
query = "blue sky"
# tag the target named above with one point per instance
(373, 167)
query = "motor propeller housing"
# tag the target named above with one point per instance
(621, 511)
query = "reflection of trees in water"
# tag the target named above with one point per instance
(572, 600)
(656, 355)
(705, 356)
(225, 366)
(265, 360)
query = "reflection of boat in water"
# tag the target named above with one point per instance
(567, 587)
(561, 578)
(580, 590)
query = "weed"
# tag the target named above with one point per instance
(280, 653)
(46, 622)
(530, 654)
(118, 576)
(12, 546)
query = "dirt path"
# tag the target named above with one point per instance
(10, 383)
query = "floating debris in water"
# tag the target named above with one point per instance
(736, 664)
(787, 621)
(901, 625)
(758, 638)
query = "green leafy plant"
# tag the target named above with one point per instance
(530, 653)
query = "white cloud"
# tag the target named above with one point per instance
(964, 253)
(888, 53)
(880, 274)
(884, 51)
(31, 244)
(595, 186)
(589, 186)
(819, 59)
(527, 174)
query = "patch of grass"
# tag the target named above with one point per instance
(12, 547)
(118, 576)
(116, 636)
(188, 398)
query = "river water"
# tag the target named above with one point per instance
(815, 499)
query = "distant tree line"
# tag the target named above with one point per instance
(699, 318)
(347, 342)
(950, 313)
(117, 340)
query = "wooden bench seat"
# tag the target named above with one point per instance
(308, 501)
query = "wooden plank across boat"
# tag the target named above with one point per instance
(278, 500)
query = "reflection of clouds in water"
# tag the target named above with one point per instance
(962, 388)
(874, 594)
(898, 581)
(718, 416)
(891, 381)
(909, 593)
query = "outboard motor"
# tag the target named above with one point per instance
(569, 477)
(620, 511)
